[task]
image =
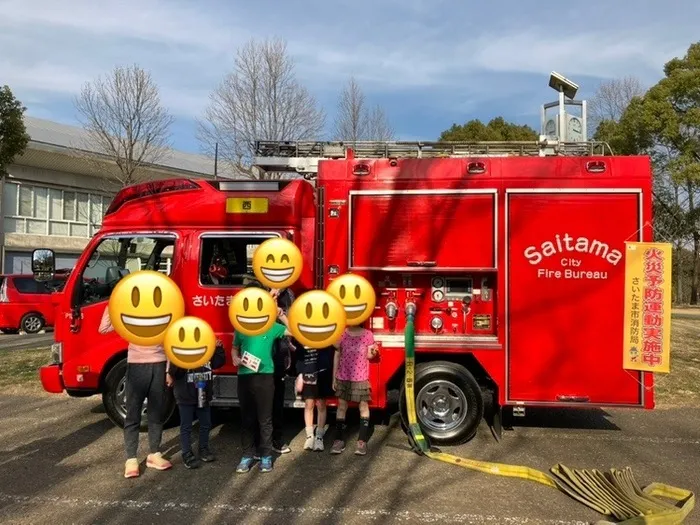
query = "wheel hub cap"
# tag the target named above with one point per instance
(441, 405)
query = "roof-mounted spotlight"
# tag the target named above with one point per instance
(561, 84)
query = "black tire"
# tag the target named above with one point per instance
(32, 323)
(457, 397)
(113, 398)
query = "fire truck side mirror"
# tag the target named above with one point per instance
(43, 264)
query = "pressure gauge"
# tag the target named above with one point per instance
(436, 323)
(438, 296)
(438, 282)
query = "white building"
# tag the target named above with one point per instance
(55, 198)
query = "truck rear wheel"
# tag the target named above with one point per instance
(449, 403)
(114, 398)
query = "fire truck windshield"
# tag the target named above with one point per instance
(115, 257)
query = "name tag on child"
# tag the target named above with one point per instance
(250, 361)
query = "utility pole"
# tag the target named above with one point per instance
(216, 160)
(2, 214)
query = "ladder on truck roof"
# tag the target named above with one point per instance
(303, 156)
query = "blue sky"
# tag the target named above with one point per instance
(429, 63)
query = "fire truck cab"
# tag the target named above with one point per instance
(512, 253)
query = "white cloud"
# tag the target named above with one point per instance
(54, 50)
(589, 53)
(159, 21)
(42, 77)
(443, 55)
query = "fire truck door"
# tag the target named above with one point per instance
(565, 297)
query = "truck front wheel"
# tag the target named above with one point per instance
(114, 398)
(449, 403)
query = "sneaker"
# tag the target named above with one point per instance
(206, 455)
(281, 448)
(361, 448)
(338, 446)
(190, 460)
(245, 464)
(318, 443)
(158, 462)
(266, 464)
(309, 443)
(131, 468)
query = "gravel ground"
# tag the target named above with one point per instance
(61, 461)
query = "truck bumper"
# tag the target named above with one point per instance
(51, 379)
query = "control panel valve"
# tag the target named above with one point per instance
(410, 309)
(392, 310)
(466, 302)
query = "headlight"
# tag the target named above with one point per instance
(57, 353)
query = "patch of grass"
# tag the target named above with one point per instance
(21, 367)
(681, 387)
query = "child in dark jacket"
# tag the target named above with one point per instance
(185, 387)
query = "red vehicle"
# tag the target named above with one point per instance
(512, 254)
(25, 304)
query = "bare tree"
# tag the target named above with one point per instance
(612, 98)
(124, 119)
(259, 100)
(350, 122)
(354, 122)
(378, 126)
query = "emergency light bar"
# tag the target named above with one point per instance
(146, 189)
(245, 185)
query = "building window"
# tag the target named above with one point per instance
(39, 210)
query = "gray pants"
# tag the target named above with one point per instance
(144, 380)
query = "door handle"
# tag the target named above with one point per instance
(573, 399)
(76, 316)
(422, 264)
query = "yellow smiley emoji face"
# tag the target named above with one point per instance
(252, 311)
(357, 296)
(277, 263)
(189, 342)
(317, 319)
(143, 305)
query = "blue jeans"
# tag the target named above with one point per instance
(187, 414)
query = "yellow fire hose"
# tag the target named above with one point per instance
(615, 493)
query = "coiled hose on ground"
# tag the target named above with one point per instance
(616, 493)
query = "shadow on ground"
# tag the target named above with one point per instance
(61, 462)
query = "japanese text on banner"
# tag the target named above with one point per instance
(647, 344)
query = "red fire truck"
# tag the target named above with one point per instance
(512, 253)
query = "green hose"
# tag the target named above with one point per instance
(615, 493)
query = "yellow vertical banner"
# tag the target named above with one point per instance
(647, 344)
